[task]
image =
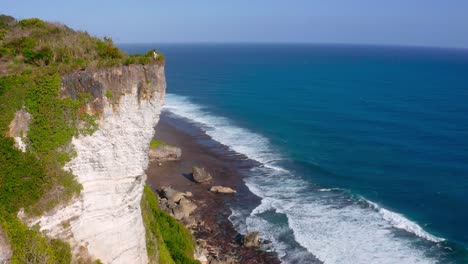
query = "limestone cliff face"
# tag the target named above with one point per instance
(105, 221)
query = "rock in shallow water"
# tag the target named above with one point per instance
(221, 189)
(251, 239)
(201, 175)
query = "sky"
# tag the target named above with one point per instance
(438, 23)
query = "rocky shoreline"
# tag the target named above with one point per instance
(197, 189)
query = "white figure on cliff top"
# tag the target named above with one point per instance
(155, 55)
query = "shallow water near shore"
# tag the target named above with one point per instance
(360, 151)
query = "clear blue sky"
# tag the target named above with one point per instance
(394, 22)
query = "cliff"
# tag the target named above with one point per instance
(77, 119)
(105, 221)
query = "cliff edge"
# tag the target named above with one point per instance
(105, 221)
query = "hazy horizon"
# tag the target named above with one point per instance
(296, 43)
(417, 23)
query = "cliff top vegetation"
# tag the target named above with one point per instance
(30, 43)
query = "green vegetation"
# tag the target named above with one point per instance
(33, 55)
(54, 122)
(109, 94)
(144, 58)
(35, 180)
(156, 143)
(29, 246)
(32, 42)
(22, 176)
(164, 233)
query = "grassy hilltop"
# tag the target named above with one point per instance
(33, 56)
(32, 43)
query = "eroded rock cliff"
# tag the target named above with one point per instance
(105, 221)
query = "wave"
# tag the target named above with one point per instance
(325, 222)
(399, 221)
(328, 189)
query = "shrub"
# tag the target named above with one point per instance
(41, 57)
(109, 94)
(20, 44)
(80, 64)
(130, 60)
(6, 21)
(2, 33)
(23, 179)
(32, 23)
(107, 50)
(4, 52)
(54, 122)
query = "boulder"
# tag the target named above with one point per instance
(251, 239)
(163, 204)
(221, 189)
(184, 209)
(165, 153)
(172, 195)
(188, 222)
(201, 175)
(201, 253)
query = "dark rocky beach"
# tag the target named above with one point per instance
(215, 234)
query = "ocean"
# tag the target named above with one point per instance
(362, 151)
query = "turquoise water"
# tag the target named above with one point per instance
(364, 150)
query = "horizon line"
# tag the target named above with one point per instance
(294, 43)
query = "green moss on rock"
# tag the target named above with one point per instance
(156, 143)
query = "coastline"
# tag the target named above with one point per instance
(213, 229)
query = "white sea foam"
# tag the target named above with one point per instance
(328, 189)
(330, 225)
(399, 221)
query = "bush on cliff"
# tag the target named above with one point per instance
(29, 246)
(164, 234)
(30, 180)
(32, 42)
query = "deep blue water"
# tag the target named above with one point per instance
(364, 148)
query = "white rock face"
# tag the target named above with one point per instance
(18, 129)
(5, 249)
(105, 221)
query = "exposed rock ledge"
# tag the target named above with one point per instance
(105, 222)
